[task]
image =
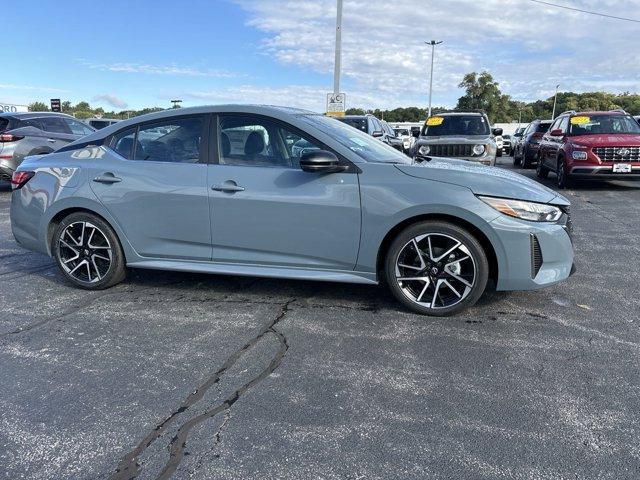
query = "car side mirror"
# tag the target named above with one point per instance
(496, 132)
(556, 132)
(377, 134)
(320, 161)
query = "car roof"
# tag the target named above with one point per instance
(457, 114)
(596, 113)
(28, 115)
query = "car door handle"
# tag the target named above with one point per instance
(228, 187)
(52, 140)
(107, 178)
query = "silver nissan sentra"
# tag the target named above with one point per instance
(279, 192)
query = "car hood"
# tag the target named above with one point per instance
(483, 180)
(607, 140)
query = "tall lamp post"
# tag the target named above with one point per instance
(555, 98)
(433, 44)
(338, 59)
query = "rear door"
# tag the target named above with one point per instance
(153, 180)
(56, 131)
(266, 211)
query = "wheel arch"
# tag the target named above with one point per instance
(486, 244)
(62, 214)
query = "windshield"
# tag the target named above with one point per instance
(359, 123)
(365, 146)
(455, 125)
(598, 124)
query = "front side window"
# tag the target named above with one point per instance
(365, 146)
(245, 140)
(543, 127)
(359, 123)
(78, 128)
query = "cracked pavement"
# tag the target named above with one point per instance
(185, 376)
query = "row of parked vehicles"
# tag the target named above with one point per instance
(603, 145)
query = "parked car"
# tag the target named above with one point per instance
(526, 151)
(404, 134)
(368, 124)
(461, 135)
(223, 193)
(515, 140)
(591, 145)
(499, 144)
(390, 137)
(99, 123)
(34, 133)
(506, 144)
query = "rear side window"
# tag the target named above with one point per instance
(176, 141)
(54, 125)
(124, 143)
(359, 123)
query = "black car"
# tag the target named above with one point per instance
(371, 125)
(526, 151)
(35, 133)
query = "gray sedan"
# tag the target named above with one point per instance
(223, 190)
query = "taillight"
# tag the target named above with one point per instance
(7, 137)
(538, 135)
(19, 179)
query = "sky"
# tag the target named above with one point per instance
(134, 54)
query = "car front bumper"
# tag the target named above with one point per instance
(603, 171)
(537, 254)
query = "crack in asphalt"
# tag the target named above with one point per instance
(129, 467)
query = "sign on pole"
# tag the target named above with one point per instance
(55, 105)
(336, 103)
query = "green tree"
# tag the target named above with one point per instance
(38, 107)
(483, 93)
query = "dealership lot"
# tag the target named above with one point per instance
(201, 376)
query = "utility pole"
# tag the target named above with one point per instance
(553, 114)
(433, 44)
(338, 61)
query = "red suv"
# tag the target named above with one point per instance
(590, 145)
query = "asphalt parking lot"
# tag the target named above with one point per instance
(174, 375)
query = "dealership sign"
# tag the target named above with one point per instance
(10, 108)
(336, 104)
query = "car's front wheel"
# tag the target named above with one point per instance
(88, 252)
(436, 268)
(541, 170)
(562, 178)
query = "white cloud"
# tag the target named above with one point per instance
(528, 47)
(111, 100)
(9, 86)
(171, 69)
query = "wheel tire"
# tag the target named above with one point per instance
(526, 159)
(454, 232)
(110, 275)
(562, 179)
(516, 160)
(541, 170)
(499, 153)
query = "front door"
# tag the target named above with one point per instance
(266, 211)
(153, 180)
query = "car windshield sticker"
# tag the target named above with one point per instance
(580, 120)
(435, 121)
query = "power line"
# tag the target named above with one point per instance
(586, 11)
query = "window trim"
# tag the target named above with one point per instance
(204, 149)
(215, 145)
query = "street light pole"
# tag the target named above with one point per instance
(553, 114)
(338, 61)
(433, 44)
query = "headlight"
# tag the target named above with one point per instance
(424, 150)
(577, 155)
(536, 212)
(478, 149)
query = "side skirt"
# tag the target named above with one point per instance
(346, 276)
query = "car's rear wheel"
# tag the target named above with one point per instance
(526, 158)
(88, 252)
(436, 268)
(562, 178)
(541, 170)
(516, 159)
